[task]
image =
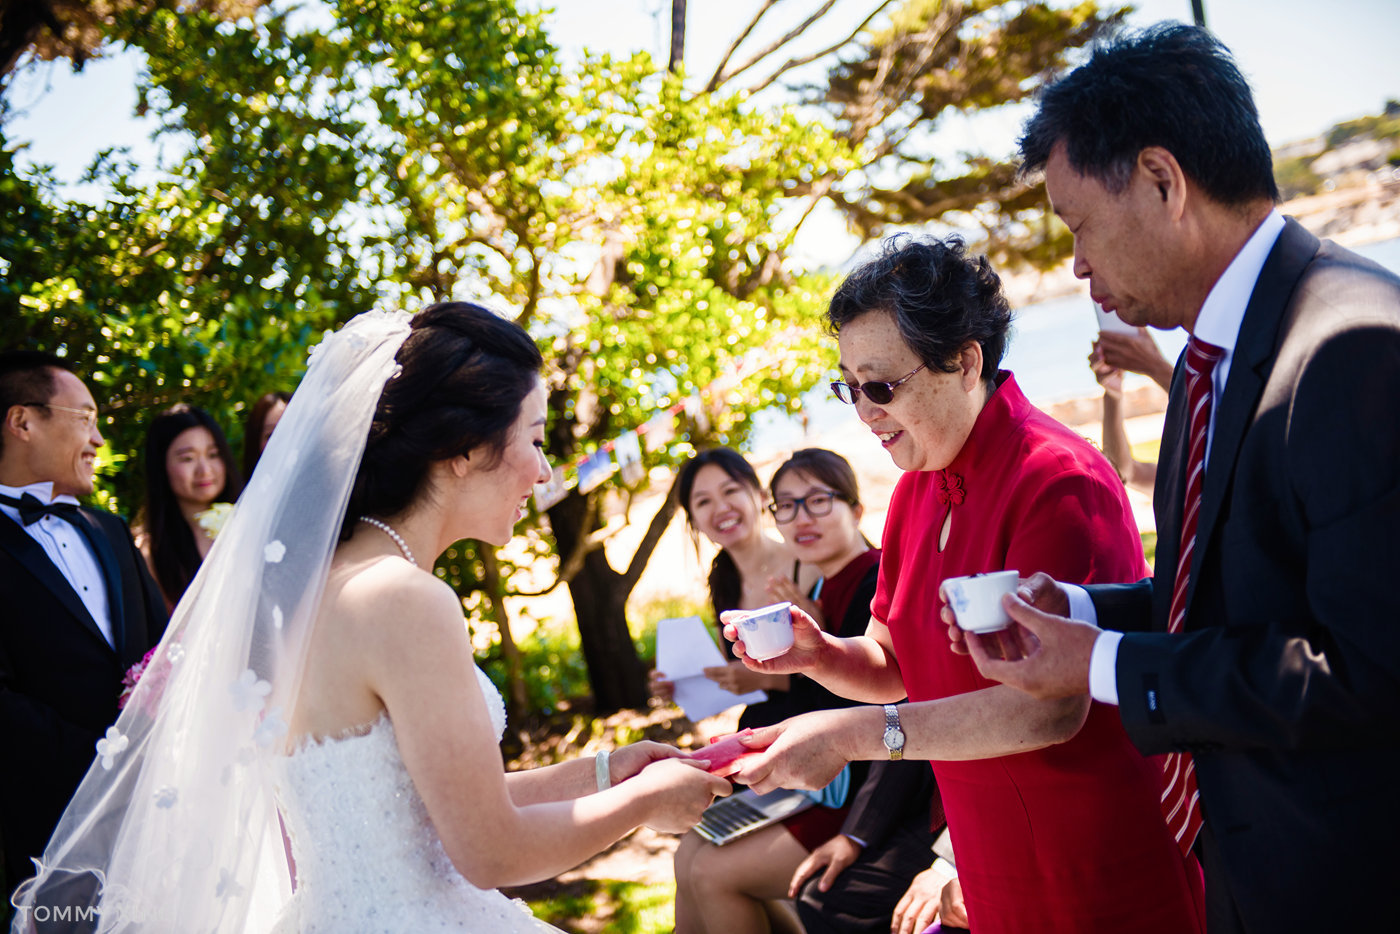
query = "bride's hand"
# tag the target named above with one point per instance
(678, 790)
(628, 760)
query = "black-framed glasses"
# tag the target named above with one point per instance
(877, 391)
(816, 504)
(89, 415)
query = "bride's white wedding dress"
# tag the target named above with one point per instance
(367, 856)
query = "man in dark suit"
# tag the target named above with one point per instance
(1267, 645)
(79, 605)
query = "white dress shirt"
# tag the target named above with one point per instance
(1218, 323)
(69, 551)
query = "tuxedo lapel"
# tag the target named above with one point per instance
(111, 573)
(1249, 370)
(30, 554)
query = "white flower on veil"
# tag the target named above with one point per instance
(111, 746)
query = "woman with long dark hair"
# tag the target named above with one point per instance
(189, 467)
(257, 430)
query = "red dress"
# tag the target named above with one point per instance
(1069, 838)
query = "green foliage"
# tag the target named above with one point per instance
(628, 907)
(552, 666)
(1149, 547)
(1296, 178)
(1377, 126)
(208, 285)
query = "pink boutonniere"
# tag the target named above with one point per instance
(152, 669)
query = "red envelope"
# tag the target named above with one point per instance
(724, 754)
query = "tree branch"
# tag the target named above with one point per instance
(775, 46)
(717, 78)
(797, 62)
(655, 530)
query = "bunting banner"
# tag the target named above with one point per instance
(623, 455)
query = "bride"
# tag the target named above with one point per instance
(312, 747)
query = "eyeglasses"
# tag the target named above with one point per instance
(89, 415)
(816, 504)
(876, 391)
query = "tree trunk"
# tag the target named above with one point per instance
(677, 36)
(615, 671)
(517, 700)
(600, 594)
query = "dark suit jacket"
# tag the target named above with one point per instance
(59, 678)
(1285, 684)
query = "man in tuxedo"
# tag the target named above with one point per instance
(79, 605)
(1267, 645)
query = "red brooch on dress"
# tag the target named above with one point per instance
(950, 488)
(950, 494)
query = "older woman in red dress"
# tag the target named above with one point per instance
(1054, 815)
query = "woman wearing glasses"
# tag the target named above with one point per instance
(1055, 815)
(816, 504)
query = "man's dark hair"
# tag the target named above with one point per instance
(1171, 86)
(27, 376)
(939, 296)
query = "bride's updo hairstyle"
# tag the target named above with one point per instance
(465, 372)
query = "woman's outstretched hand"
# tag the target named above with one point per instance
(628, 760)
(677, 791)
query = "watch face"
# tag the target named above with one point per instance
(894, 738)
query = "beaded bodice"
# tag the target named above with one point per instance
(367, 855)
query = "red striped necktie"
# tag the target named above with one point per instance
(1181, 805)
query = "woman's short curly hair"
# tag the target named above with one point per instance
(940, 297)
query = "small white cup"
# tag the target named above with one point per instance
(1109, 322)
(976, 600)
(767, 632)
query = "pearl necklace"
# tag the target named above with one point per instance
(388, 530)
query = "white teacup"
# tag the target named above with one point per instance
(767, 632)
(1110, 323)
(976, 600)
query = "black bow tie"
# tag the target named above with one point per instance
(31, 510)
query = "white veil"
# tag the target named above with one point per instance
(174, 828)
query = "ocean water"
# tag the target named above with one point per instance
(1050, 340)
(1048, 353)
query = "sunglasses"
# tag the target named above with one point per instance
(876, 391)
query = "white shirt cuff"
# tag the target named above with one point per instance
(1103, 662)
(1103, 667)
(1080, 605)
